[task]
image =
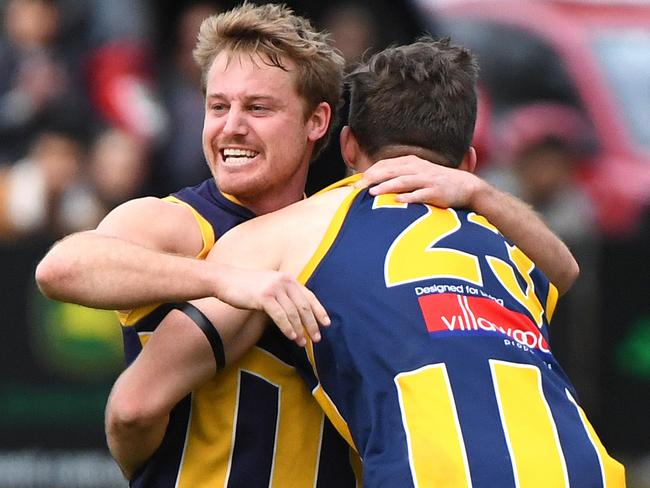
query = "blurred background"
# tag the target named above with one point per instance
(100, 102)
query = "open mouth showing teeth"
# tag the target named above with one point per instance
(238, 156)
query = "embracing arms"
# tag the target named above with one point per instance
(179, 351)
(143, 251)
(178, 357)
(139, 405)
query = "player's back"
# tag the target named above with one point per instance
(437, 362)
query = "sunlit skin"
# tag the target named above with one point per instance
(256, 137)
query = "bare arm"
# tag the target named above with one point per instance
(99, 269)
(522, 225)
(176, 360)
(178, 357)
(135, 257)
(421, 181)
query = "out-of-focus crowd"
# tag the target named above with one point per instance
(95, 108)
(85, 115)
(93, 112)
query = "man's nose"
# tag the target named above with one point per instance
(235, 123)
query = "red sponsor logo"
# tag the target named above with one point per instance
(447, 312)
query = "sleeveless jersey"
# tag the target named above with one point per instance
(437, 366)
(254, 424)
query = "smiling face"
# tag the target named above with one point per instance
(256, 137)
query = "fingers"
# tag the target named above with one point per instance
(384, 170)
(399, 184)
(319, 311)
(317, 315)
(310, 312)
(422, 195)
(278, 315)
(295, 309)
(288, 319)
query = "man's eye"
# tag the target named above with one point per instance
(217, 107)
(258, 108)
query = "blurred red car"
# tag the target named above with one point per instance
(591, 55)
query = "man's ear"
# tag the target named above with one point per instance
(469, 160)
(319, 121)
(350, 148)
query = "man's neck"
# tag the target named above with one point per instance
(397, 150)
(271, 203)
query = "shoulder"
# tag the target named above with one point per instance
(294, 219)
(155, 223)
(208, 195)
(317, 208)
(211, 207)
(285, 238)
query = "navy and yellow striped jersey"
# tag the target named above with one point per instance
(255, 424)
(437, 367)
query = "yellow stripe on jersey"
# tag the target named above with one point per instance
(333, 414)
(429, 412)
(344, 182)
(612, 472)
(233, 199)
(207, 232)
(482, 221)
(210, 437)
(144, 337)
(551, 301)
(387, 201)
(330, 235)
(528, 425)
(326, 402)
(357, 467)
(131, 317)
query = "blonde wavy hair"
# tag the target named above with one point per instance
(272, 33)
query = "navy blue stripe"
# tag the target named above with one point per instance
(161, 470)
(205, 197)
(276, 343)
(132, 344)
(334, 469)
(252, 458)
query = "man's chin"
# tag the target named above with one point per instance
(240, 188)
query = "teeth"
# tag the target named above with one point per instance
(239, 153)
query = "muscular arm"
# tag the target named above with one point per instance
(522, 225)
(422, 181)
(135, 257)
(178, 358)
(100, 270)
(138, 408)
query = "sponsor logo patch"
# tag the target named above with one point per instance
(447, 312)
